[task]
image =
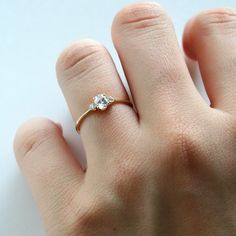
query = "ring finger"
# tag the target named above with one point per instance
(84, 70)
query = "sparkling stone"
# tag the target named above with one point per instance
(92, 106)
(111, 99)
(102, 101)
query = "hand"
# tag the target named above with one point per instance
(170, 168)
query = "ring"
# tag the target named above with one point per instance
(100, 103)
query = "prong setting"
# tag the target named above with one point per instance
(101, 102)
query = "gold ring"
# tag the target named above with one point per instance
(100, 103)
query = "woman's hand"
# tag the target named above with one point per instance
(170, 168)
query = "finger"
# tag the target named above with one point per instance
(209, 38)
(153, 62)
(84, 70)
(50, 168)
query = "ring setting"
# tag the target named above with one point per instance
(100, 103)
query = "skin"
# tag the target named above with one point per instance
(170, 168)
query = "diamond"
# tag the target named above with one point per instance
(101, 102)
(111, 99)
(92, 106)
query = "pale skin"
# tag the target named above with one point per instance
(167, 170)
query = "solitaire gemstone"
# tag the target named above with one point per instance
(101, 102)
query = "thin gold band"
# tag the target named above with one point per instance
(83, 116)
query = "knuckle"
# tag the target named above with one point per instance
(93, 211)
(77, 52)
(33, 134)
(144, 15)
(65, 207)
(184, 142)
(185, 145)
(80, 58)
(216, 21)
(127, 180)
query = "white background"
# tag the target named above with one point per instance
(32, 34)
